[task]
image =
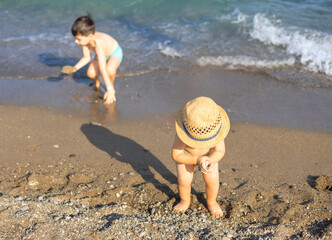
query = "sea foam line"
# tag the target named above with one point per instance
(236, 61)
(67, 38)
(313, 49)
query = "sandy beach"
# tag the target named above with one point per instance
(73, 169)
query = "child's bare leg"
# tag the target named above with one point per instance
(112, 65)
(93, 72)
(185, 177)
(212, 186)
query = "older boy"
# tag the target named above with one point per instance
(108, 55)
(201, 126)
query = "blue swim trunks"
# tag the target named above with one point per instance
(116, 53)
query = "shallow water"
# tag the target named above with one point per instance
(289, 40)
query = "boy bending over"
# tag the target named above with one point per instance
(201, 127)
(108, 55)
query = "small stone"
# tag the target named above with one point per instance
(25, 208)
(40, 198)
(121, 174)
(72, 155)
(153, 210)
(230, 234)
(111, 186)
(95, 123)
(56, 146)
(190, 236)
(254, 165)
(277, 197)
(117, 195)
(142, 234)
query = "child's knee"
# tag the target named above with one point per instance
(91, 73)
(111, 71)
(184, 179)
(211, 178)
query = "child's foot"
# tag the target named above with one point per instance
(97, 85)
(181, 207)
(215, 209)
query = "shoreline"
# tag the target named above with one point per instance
(71, 177)
(247, 97)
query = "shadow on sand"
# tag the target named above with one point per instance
(53, 61)
(128, 151)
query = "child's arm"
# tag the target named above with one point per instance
(179, 155)
(110, 93)
(218, 152)
(207, 163)
(85, 59)
(81, 63)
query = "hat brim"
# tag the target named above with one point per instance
(181, 132)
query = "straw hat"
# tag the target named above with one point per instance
(201, 123)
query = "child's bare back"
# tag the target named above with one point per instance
(107, 43)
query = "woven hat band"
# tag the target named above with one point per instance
(200, 139)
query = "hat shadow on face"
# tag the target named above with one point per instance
(125, 150)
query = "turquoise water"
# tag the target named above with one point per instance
(287, 39)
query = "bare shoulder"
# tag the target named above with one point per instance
(104, 37)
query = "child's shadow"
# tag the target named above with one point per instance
(128, 151)
(52, 61)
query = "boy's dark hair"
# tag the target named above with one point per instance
(84, 26)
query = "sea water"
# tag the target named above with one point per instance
(290, 40)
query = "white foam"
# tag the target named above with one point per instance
(235, 17)
(313, 49)
(169, 51)
(244, 61)
(67, 38)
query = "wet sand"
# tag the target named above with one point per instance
(95, 173)
(247, 97)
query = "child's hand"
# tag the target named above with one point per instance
(68, 69)
(109, 96)
(205, 164)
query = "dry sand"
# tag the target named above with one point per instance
(69, 177)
